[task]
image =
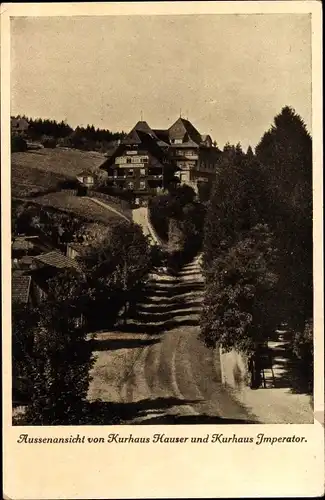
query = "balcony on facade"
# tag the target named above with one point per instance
(184, 154)
(136, 159)
(136, 171)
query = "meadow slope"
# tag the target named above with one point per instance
(36, 172)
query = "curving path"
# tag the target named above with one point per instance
(156, 369)
(140, 217)
(108, 207)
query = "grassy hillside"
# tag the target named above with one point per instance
(38, 171)
(80, 206)
(67, 162)
(35, 173)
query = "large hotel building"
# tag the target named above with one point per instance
(148, 160)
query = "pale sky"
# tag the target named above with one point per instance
(229, 74)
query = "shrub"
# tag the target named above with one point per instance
(49, 142)
(51, 352)
(178, 219)
(117, 265)
(303, 349)
(239, 304)
(18, 144)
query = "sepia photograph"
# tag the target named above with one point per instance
(162, 250)
(161, 220)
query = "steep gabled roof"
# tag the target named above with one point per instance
(162, 135)
(149, 143)
(20, 286)
(182, 127)
(132, 138)
(133, 135)
(143, 126)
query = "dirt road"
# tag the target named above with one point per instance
(156, 369)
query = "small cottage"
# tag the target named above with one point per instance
(19, 126)
(86, 178)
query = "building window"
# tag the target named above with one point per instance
(120, 160)
(130, 172)
(142, 171)
(137, 159)
(130, 185)
(142, 185)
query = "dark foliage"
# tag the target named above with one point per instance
(303, 349)
(52, 355)
(56, 227)
(51, 133)
(115, 268)
(178, 220)
(18, 144)
(272, 188)
(240, 298)
(49, 142)
(237, 203)
(285, 155)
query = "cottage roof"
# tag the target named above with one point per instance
(86, 173)
(56, 259)
(19, 123)
(22, 243)
(20, 286)
(27, 260)
(31, 243)
(78, 247)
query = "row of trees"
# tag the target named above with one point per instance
(258, 243)
(51, 133)
(52, 351)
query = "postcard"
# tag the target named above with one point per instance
(162, 250)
